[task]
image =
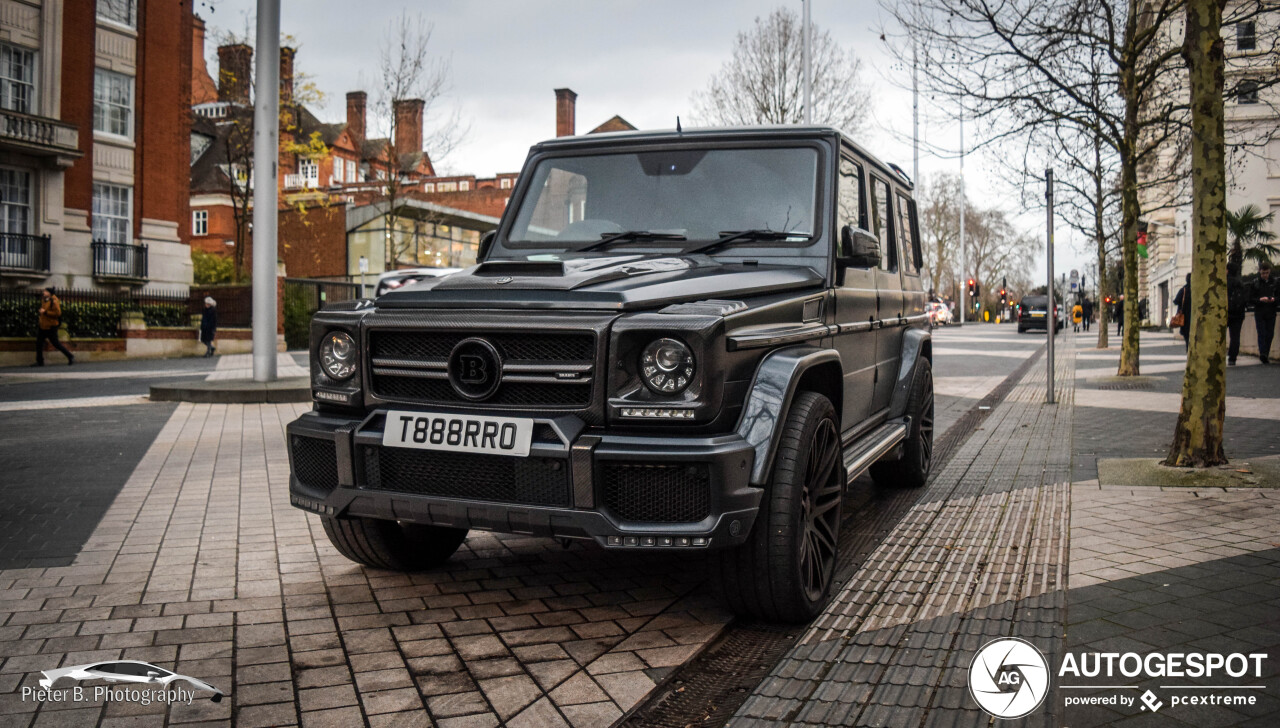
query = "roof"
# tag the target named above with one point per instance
(712, 133)
(614, 123)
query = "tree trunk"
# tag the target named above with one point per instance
(1129, 197)
(1100, 237)
(1197, 438)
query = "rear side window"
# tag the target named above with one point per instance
(883, 221)
(910, 235)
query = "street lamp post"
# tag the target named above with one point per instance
(964, 261)
(266, 146)
(805, 36)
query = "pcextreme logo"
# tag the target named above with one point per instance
(1009, 677)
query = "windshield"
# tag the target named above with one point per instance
(698, 194)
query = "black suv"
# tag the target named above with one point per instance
(674, 341)
(1033, 313)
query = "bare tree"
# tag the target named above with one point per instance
(938, 203)
(1197, 436)
(762, 83)
(408, 71)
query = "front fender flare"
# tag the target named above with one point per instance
(770, 398)
(914, 343)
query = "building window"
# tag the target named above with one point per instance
(464, 185)
(15, 201)
(351, 171)
(310, 172)
(429, 186)
(447, 187)
(1246, 36)
(17, 78)
(112, 213)
(199, 222)
(123, 12)
(337, 170)
(504, 183)
(1247, 92)
(112, 103)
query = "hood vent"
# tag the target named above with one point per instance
(539, 268)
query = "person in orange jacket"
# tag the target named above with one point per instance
(50, 320)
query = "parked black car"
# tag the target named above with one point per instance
(675, 341)
(1033, 313)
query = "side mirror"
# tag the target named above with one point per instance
(486, 244)
(858, 248)
(152, 675)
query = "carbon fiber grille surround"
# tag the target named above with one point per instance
(500, 478)
(315, 461)
(657, 493)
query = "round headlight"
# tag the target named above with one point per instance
(667, 366)
(338, 355)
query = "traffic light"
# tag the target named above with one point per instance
(1004, 297)
(972, 288)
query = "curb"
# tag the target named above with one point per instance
(235, 391)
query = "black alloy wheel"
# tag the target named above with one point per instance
(820, 510)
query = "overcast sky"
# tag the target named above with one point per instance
(642, 60)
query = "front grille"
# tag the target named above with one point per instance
(526, 481)
(413, 367)
(315, 462)
(657, 493)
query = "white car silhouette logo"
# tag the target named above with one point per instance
(126, 671)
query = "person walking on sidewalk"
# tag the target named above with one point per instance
(47, 325)
(1087, 311)
(1236, 301)
(209, 325)
(1077, 315)
(1263, 295)
(1182, 317)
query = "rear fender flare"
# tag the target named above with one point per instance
(769, 399)
(916, 344)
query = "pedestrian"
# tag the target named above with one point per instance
(47, 324)
(1263, 294)
(1118, 312)
(1087, 305)
(1236, 303)
(1182, 317)
(209, 325)
(1077, 315)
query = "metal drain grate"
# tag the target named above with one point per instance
(1128, 386)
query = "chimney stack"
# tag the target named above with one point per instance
(234, 77)
(356, 101)
(408, 125)
(286, 74)
(203, 89)
(565, 101)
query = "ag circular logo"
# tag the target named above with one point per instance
(475, 369)
(1009, 678)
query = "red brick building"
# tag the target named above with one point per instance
(94, 143)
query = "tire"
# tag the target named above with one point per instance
(393, 545)
(912, 469)
(783, 572)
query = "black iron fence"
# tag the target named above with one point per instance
(119, 260)
(234, 303)
(92, 314)
(24, 253)
(303, 297)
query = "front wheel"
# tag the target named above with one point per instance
(912, 469)
(391, 544)
(783, 572)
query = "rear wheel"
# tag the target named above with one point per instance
(391, 544)
(912, 469)
(783, 572)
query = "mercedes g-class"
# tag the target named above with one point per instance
(685, 340)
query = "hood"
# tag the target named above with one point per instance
(611, 283)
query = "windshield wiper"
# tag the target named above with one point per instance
(628, 236)
(738, 236)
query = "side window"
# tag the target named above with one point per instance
(910, 236)
(883, 221)
(850, 199)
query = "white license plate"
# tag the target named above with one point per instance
(458, 433)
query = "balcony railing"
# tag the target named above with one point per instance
(298, 182)
(24, 254)
(39, 134)
(123, 261)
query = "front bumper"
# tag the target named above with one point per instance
(622, 491)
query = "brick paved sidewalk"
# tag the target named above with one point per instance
(201, 565)
(981, 555)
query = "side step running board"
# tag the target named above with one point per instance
(871, 447)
